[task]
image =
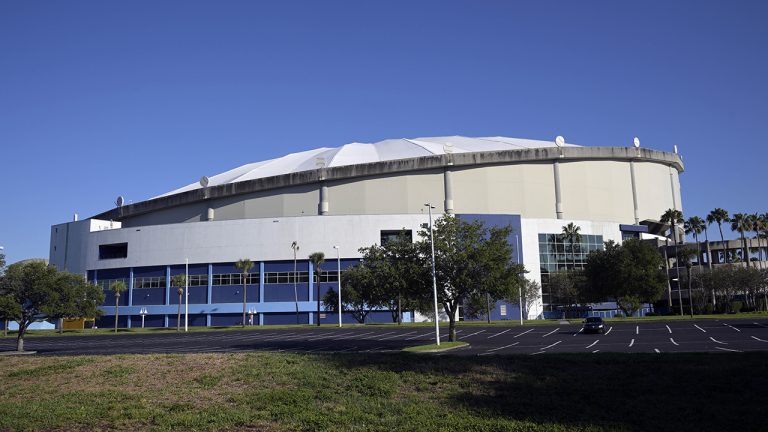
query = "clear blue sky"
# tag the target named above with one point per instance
(100, 99)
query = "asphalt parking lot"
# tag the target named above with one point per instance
(721, 336)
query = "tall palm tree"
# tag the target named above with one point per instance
(117, 287)
(244, 265)
(572, 234)
(756, 225)
(695, 225)
(317, 259)
(764, 223)
(719, 216)
(740, 224)
(179, 281)
(673, 217)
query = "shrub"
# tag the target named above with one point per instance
(736, 306)
(709, 309)
(651, 314)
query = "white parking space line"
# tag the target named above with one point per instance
(669, 329)
(657, 351)
(352, 336)
(550, 346)
(527, 331)
(632, 342)
(501, 348)
(637, 330)
(673, 341)
(326, 336)
(758, 339)
(472, 334)
(540, 352)
(758, 324)
(595, 351)
(593, 344)
(717, 341)
(699, 328)
(395, 336)
(551, 332)
(580, 330)
(732, 327)
(419, 336)
(499, 333)
(727, 349)
(609, 330)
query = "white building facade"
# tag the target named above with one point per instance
(354, 196)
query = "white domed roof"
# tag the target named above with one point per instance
(361, 153)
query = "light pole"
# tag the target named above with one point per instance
(186, 294)
(251, 312)
(338, 275)
(5, 327)
(434, 277)
(295, 247)
(522, 282)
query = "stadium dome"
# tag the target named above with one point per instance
(338, 200)
(361, 153)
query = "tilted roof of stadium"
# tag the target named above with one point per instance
(360, 153)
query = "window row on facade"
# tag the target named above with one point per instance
(225, 279)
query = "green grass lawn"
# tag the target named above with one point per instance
(358, 392)
(444, 346)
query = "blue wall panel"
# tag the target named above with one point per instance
(109, 298)
(108, 321)
(116, 273)
(149, 271)
(234, 294)
(285, 292)
(285, 318)
(149, 321)
(500, 220)
(227, 319)
(285, 266)
(194, 269)
(148, 296)
(197, 295)
(197, 320)
(223, 268)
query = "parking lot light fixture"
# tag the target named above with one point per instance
(434, 277)
(338, 274)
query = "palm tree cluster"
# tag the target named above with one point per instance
(742, 223)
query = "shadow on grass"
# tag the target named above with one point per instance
(638, 392)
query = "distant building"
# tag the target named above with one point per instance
(354, 196)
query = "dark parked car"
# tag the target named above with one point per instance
(594, 325)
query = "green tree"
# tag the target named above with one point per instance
(719, 216)
(406, 270)
(179, 281)
(531, 296)
(244, 265)
(470, 260)
(33, 291)
(117, 287)
(630, 273)
(357, 293)
(565, 287)
(317, 259)
(572, 233)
